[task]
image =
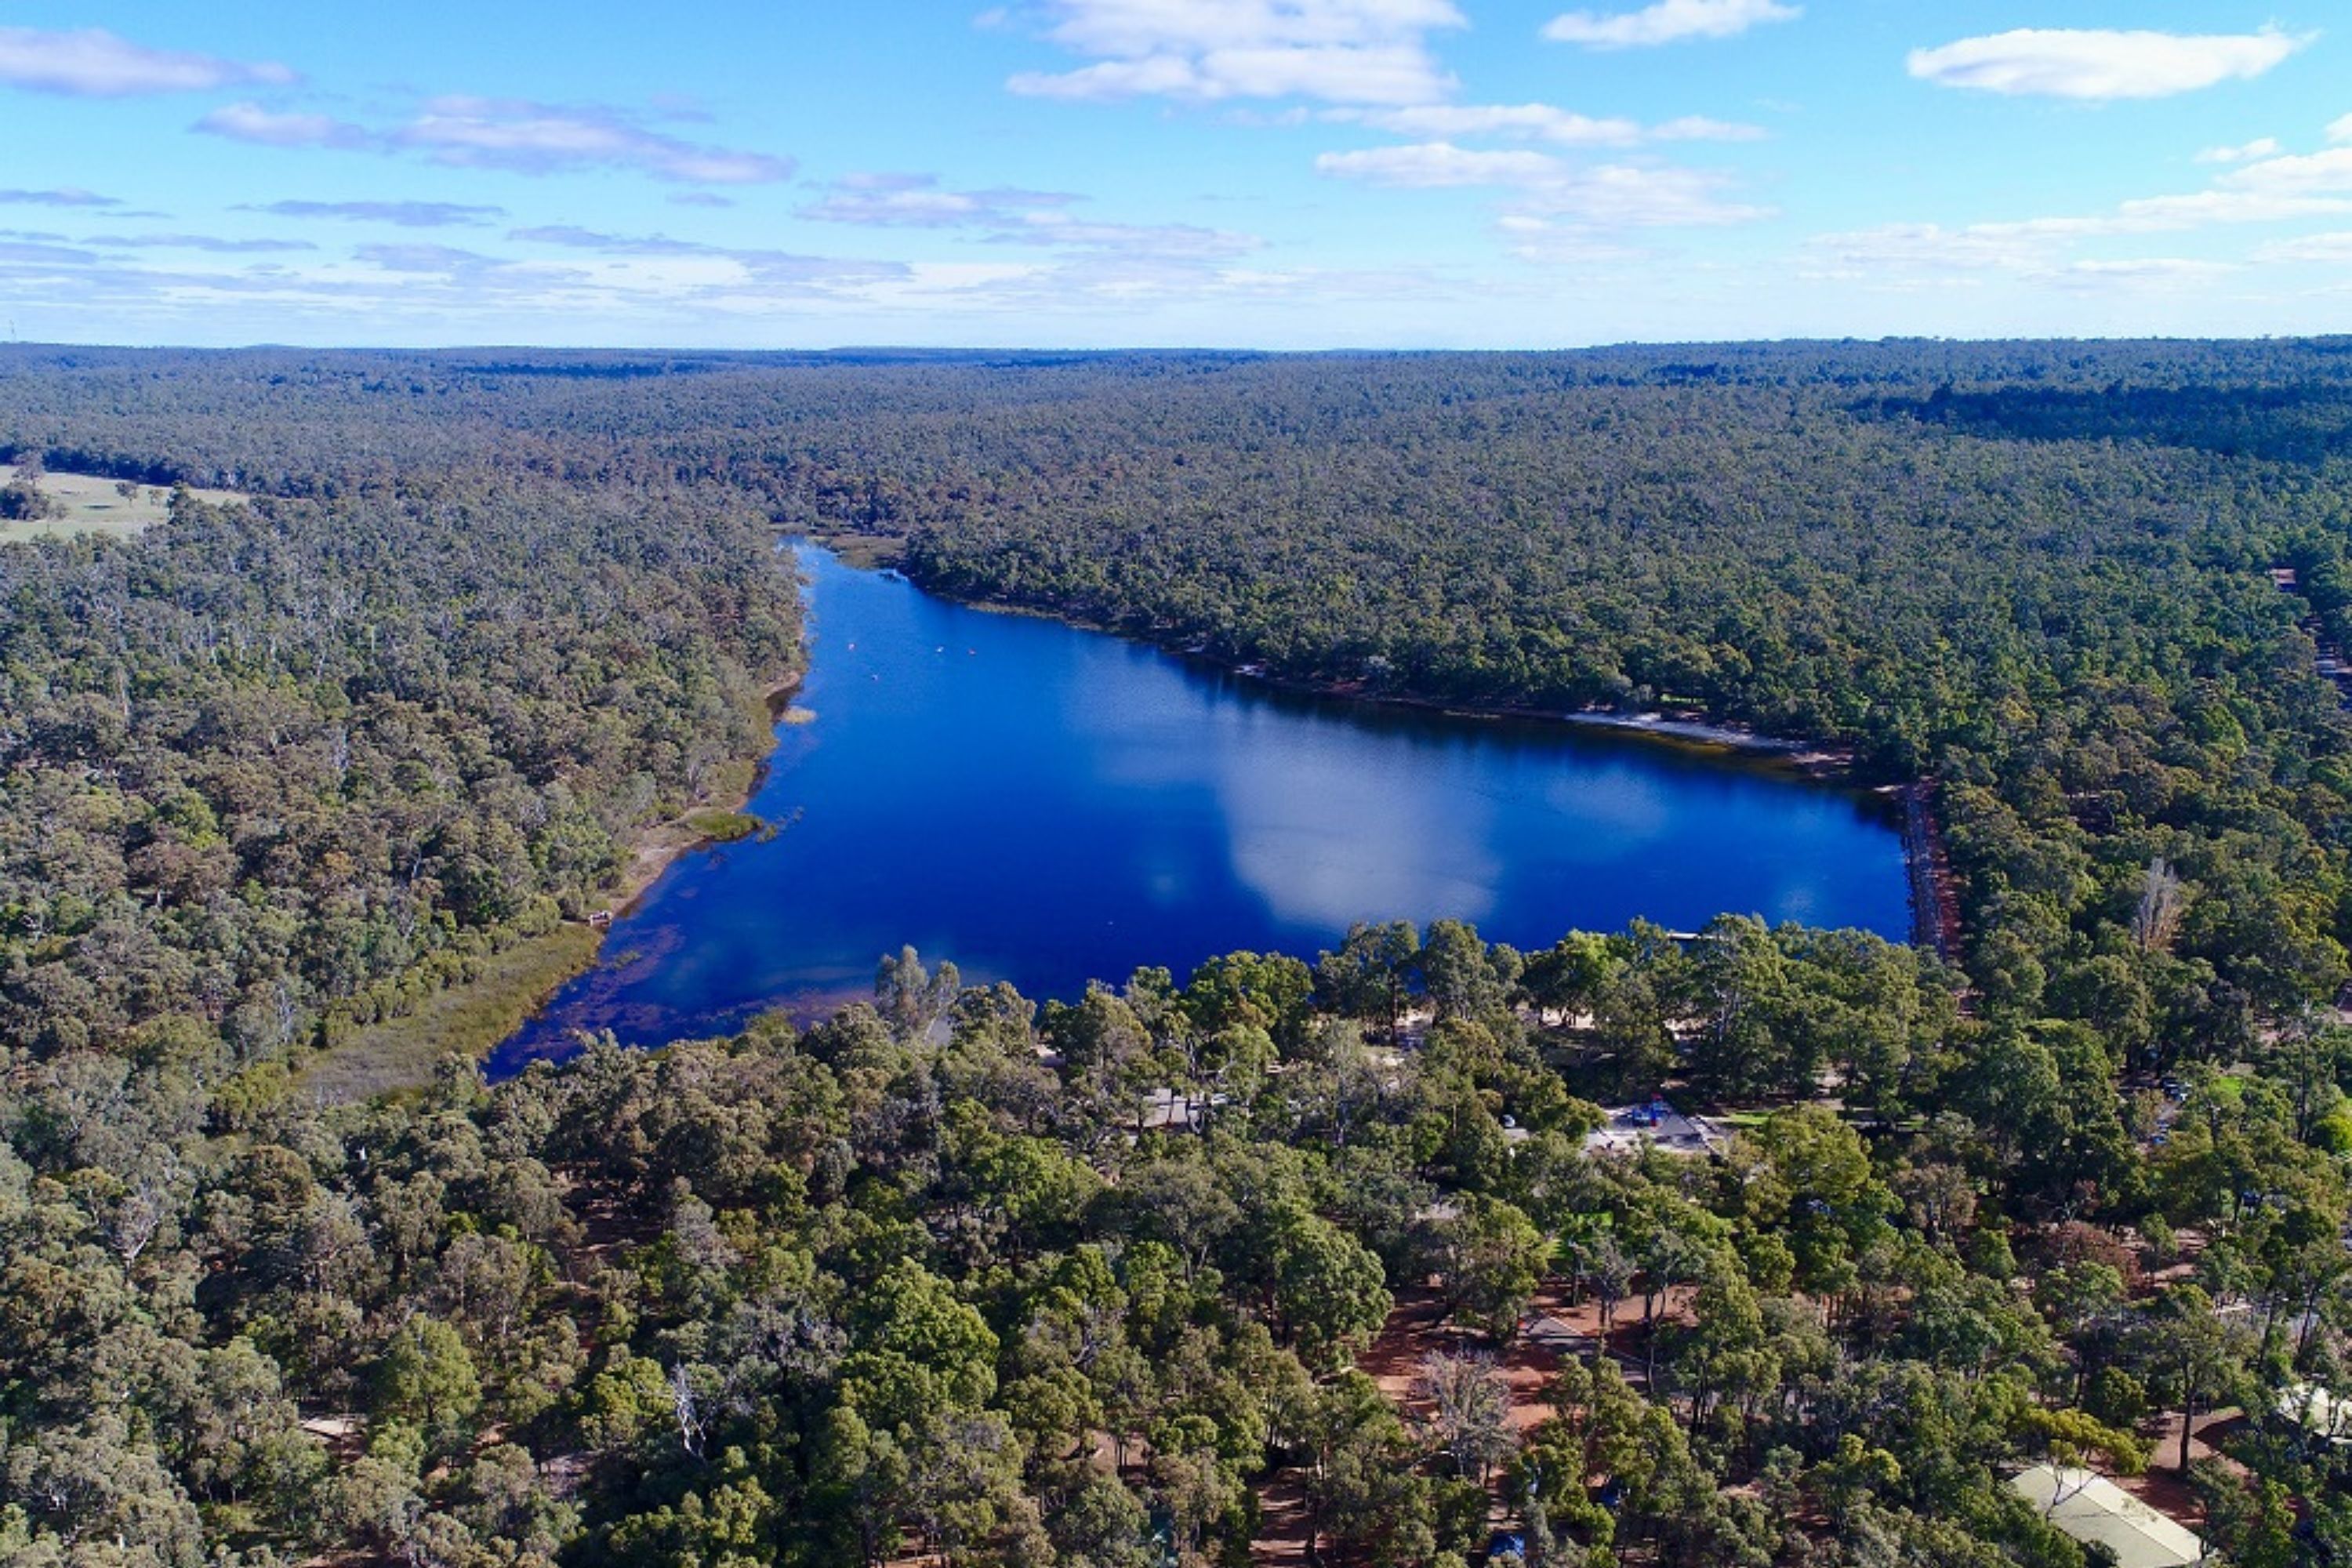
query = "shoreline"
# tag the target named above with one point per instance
(1691, 724)
(1934, 903)
(1678, 727)
(1687, 728)
(518, 989)
(662, 844)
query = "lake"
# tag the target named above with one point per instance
(1047, 805)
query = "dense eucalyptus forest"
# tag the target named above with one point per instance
(1302, 1258)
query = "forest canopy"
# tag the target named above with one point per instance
(1316, 1251)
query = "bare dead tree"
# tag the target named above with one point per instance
(2157, 921)
(684, 1407)
(1468, 1410)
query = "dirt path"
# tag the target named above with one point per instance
(2161, 1486)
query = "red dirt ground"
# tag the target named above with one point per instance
(1417, 1328)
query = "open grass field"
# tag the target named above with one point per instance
(93, 505)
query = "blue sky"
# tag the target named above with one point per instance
(1285, 174)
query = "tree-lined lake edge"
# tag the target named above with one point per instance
(1273, 871)
(1668, 723)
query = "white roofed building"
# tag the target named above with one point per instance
(2309, 1405)
(2092, 1509)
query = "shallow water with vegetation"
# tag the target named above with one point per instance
(1045, 805)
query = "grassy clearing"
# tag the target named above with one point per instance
(864, 551)
(401, 1053)
(723, 826)
(94, 505)
(471, 1019)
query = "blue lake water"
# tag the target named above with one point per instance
(1045, 805)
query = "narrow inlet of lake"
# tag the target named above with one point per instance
(1048, 806)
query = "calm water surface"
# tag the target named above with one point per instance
(1047, 805)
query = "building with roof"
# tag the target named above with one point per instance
(2092, 1509)
(1658, 1124)
(2317, 1410)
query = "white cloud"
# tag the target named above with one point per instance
(1541, 122)
(2262, 190)
(686, 263)
(1911, 256)
(2141, 271)
(45, 256)
(573, 237)
(1127, 28)
(1430, 164)
(200, 242)
(2333, 248)
(503, 133)
(588, 293)
(1521, 121)
(1005, 215)
(2307, 173)
(1666, 22)
(1167, 242)
(2203, 210)
(1925, 246)
(270, 127)
(541, 139)
(404, 215)
(785, 272)
(69, 196)
(1340, 51)
(1169, 75)
(1599, 196)
(2340, 130)
(2177, 214)
(1699, 127)
(645, 266)
(94, 63)
(919, 201)
(1638, 195)
(1558, 244)
(2096, 64)
(427, 259)
(2244, 152)
(432, 294)
(2037, 243)
(1338, 75)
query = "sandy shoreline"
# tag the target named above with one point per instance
(1690, 727)
(1687, 728)
(660, 845)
